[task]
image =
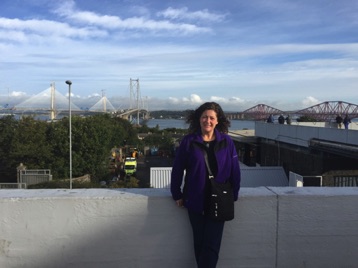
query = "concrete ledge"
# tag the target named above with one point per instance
(274, 227)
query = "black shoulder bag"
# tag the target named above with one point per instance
(221, 201)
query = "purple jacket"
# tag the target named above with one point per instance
(190, 158)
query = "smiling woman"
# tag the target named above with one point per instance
(207, 145)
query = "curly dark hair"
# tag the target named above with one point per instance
(193, 117)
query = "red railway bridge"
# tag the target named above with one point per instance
(325, 111)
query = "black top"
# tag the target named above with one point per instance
(209, 145)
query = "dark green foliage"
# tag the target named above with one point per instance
(8, 128)
(45, 145)
(57, 134)
(30, 144)
(176, 130)
(130, 182)
(161, 140)
(145, 129)
(61, 184)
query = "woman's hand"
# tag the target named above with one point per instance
(179, 202)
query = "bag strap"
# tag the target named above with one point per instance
(211, 176)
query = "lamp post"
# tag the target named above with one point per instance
(69, 83)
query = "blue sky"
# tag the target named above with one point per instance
(286, 54)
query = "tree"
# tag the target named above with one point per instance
(43, 145)
(29, 144)
(92, 140)
(163, 141)
(8, 127)
(58, 137)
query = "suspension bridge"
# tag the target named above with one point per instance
(52, 103)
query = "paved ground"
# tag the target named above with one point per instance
(144, 163)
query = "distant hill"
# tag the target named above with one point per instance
(168, 114)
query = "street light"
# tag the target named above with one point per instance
(69, 83)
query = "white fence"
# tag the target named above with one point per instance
(34, 176)
(160, 177)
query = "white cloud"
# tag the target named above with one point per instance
(236, 100)
(174, 100)
(11, 35)
(189, 102)
(23, 30)
(69, 11)
(184, 14)
(195, 98)
(218, 99)
(310, 101)
(94, 95)
(17, 94)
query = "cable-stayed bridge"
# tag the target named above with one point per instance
(52, 103)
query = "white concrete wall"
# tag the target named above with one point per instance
(274, 227)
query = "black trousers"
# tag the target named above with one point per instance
(207, 236)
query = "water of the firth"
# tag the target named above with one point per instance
(176, 123)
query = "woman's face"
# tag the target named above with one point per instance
(208, 121)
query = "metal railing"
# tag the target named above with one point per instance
(34, 176)
(345, 181)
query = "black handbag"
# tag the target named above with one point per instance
(221, 200)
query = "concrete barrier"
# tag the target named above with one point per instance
(274, 227)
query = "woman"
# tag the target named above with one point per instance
(208, 129)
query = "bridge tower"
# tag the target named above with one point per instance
(53, 102)
(135, 96)
(104, 101)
